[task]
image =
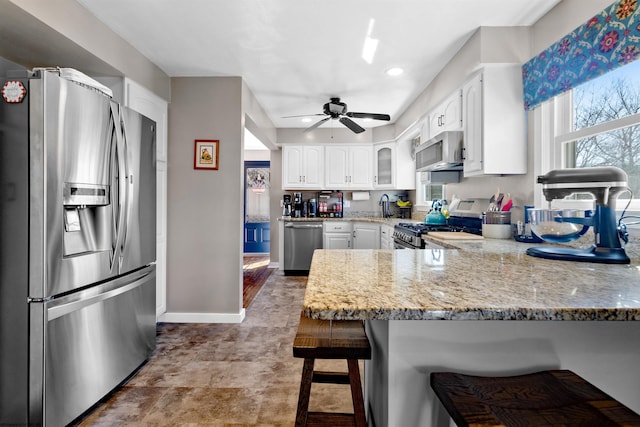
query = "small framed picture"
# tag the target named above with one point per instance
(205, 154)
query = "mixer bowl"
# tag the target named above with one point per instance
(550, 225)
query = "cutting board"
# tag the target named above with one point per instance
(453, 235)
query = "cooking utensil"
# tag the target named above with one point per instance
(494, 200)
(507, 202)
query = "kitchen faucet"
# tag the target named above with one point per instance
(386, 209)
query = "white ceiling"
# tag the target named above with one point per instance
(295, 54)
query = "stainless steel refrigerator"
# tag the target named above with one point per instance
(77, 252)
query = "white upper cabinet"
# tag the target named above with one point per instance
(446, 116)
(494, 122)
(393, 166)
(302, 167)
(383, 165)
(472, 120)
(348, 166)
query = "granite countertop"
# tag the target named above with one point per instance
(480, 280)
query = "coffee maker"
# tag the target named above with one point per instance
(297, 205)
(286, 205)
(561, 226)
(312, 208)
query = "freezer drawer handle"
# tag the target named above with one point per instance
(61, 310)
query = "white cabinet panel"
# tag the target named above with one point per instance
(494, 120)
(386, 236)
(337, 167)
(447, 116)
(393, 166)
(302, 167)
(472, 120)
(366, 236)
(349, 166)
(384, 165)
(337, 235)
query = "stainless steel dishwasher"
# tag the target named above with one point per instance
(300, 240)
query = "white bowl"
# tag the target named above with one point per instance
(547, 224)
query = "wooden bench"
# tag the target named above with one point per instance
(336, 339)
(547, 398)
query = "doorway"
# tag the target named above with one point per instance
(256, 206)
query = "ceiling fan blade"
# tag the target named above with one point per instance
(374, 116)
(303, 115)
(315, 125)
(351, 125)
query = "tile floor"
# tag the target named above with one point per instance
(225, 374)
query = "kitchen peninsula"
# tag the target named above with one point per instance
(484, 308)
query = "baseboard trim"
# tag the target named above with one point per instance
(203, 317)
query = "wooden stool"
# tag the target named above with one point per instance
(547, 398)
(336, 339)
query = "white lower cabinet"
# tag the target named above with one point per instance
(386, 237)
(350, 235)
(366, 235)
(336, 235)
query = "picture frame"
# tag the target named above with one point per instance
(206, 154)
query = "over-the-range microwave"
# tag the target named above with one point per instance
(443, 152)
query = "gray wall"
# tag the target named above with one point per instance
(204, 239)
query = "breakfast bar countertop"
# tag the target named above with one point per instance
(488, 280)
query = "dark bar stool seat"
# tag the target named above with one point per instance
(547, 398)
(337, 339)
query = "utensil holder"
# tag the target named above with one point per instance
(497, 225)
(496, 217)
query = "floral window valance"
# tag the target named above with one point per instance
(605, 42)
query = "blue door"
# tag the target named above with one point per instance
(256, 206)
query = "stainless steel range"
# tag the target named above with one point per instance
(465, 215)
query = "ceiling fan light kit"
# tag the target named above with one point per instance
(338, 111)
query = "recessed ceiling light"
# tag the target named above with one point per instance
(306, 120)
(395, 71)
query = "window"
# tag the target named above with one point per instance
(606, 109)
(596, 124)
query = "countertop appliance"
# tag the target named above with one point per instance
(286, 205)
(605, 183)
(466, 215)
(300, 240)
(77, 234)
(312, 208)
(298, 205)
(443, 152)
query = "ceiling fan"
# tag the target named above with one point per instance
(338, 110)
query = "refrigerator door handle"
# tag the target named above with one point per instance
(129, 187)
(120, 199)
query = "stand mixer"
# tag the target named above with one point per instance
(561, 226)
